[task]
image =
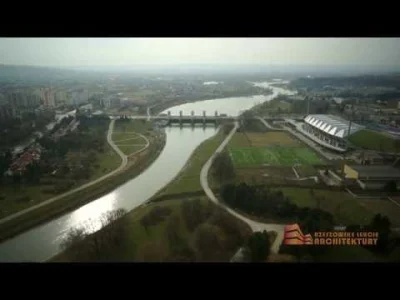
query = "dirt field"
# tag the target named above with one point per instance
(273, 155)
(262, 174)
(269, 175)
(271, 138)
(253, 139)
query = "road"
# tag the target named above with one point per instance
(148, 112)
(149, 117)
(268, 125)
(123, 164)
(255, 226)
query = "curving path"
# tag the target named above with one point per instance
(123, 164)
(255, 226)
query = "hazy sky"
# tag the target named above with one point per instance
(133, 51)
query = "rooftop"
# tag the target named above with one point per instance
(376, 171)
(333, 125)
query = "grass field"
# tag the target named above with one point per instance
(306, 171)
(125, 135)
(128, 142)
(285, 156)
(139, 126)
(373, 140)
(272, 175)
(106, 161)
(52, 210)
(188, 179)
(344, 208)
(384, 207)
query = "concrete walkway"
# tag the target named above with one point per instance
(123, 164)
(255, 226)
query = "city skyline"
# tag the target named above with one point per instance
(161, 52)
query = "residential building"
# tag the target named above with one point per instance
(112, 102)
(6, 110)
(47, 97)
(79, 96)
(86, 108)
(20, 164)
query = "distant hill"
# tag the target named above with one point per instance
(28, 75)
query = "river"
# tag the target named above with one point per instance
(43, 242)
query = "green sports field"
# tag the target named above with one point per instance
(284, 156)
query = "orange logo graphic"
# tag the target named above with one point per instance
(294, 236)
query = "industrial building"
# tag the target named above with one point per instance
(328, 131)
(371, 176)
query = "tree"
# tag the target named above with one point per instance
(381, 224)
(223, 168)
(234, 235)
(194, 213)
(73, 244)
(312, 193)
(114, 224)
(33, 173)
(153, 251)
(390, 187)
(227, 128)
(396, 144)
(145, 223)
(319, 200)
(259, 246)
(173, 227)
(208, 242)
(16, 178)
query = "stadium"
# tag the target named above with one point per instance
(329, 131)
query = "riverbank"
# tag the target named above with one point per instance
(43, 242)
(69, 203)
(187, 180)
(158, 108)
(177, 236)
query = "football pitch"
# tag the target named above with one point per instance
(283, 156)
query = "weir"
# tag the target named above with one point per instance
(192, 119)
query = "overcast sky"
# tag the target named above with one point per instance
(73, 52)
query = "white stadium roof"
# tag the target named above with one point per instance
(332, 125)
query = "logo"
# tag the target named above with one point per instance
(294, 236)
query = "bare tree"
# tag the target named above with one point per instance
(74, 244)
(208, 242)
(73, 236)
(80, 245)
(172, 229)
(312, 193)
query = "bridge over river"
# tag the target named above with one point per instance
(168, 119)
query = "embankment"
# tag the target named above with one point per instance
(71, 202)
